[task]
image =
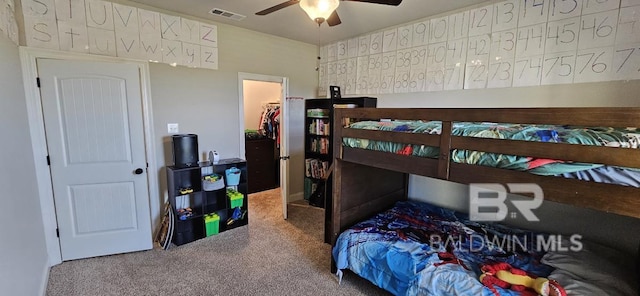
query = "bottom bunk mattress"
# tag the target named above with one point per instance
(420, 249)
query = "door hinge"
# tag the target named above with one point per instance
(48, 160)
(284, 157)
(58, 232)
(38, 81)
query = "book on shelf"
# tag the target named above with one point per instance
(320, 145)
(317, 112)
(309, 187)
(315, 168)
(345, 106)
(319, 127)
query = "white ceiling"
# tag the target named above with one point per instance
(292, 22)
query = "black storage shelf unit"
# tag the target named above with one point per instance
(319, 138)
(322, 137)
(204, 202)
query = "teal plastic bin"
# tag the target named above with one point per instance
(233, 176)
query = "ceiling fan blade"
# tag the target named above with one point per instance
(277, 7)
(334, 19)
(385, 2)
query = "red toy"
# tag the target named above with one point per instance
(507, 277)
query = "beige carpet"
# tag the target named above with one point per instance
(270, 256)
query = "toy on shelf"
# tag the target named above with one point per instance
(186, 190)
(212, 182)
(238, 214)
(185, 213)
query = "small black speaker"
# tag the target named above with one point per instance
(185, 150)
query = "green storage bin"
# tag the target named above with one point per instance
(212, 224)
(236, 201)
(235, 198)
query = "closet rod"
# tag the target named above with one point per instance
(269, 104)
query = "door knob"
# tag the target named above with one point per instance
(138, 171)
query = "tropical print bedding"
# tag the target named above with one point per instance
(419, 249)
(599, 136)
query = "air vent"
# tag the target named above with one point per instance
(227, 14)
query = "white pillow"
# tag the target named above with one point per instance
(595, 270)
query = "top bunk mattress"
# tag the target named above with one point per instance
(596, 136)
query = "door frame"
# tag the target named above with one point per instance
(284, 131)
(284, 81)
(28, 57)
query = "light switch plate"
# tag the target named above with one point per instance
(172, 128)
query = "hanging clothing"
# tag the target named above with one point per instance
(269, 125)
(276, 121)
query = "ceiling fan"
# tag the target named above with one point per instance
(321, 10)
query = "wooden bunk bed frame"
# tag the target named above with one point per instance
(367, 182)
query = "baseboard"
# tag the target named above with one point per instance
(45, 278)
(296, 196)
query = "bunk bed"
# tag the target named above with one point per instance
(370, 182)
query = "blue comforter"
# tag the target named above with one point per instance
(419, 249)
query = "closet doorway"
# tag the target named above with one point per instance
(264, 134)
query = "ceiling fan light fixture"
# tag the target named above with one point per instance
(319, 10)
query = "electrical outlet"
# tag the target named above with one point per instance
(172, 128)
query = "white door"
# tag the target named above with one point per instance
(284, 154)
(94, 128)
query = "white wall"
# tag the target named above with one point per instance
(23, 254)
(206, 102)
(256, 94)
